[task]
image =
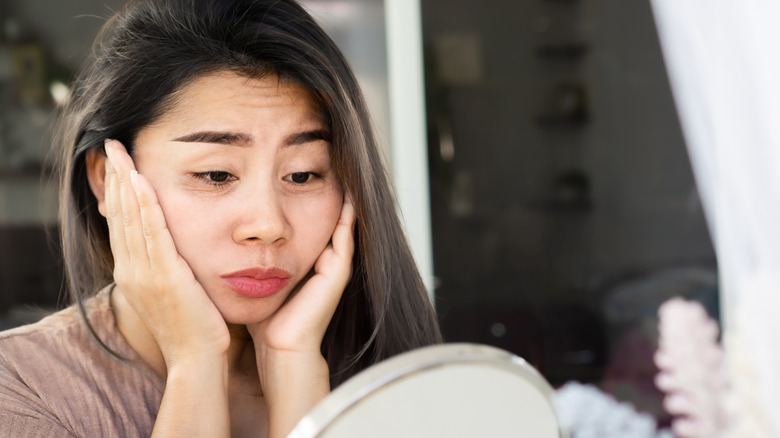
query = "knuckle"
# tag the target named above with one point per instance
(148, 231)
(160, 282)
(110, 211)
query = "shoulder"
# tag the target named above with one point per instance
(55, 374)
(57, 340)
(25, 349)
(25, 354)
(39, 334)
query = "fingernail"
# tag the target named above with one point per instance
(134, 179)
(107, 145)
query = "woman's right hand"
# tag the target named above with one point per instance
(149, 272)
(163, 292)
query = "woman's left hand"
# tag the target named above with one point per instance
(293, 373)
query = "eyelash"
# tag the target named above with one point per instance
(310, 176)
(207, 177)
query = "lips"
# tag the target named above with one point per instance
(257, 282)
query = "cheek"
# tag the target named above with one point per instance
(199, 227)
(179, 212)
(314, 222)
(186, 219)
(181, 219)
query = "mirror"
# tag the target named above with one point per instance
(452, 390)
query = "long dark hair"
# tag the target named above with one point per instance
(150, 50)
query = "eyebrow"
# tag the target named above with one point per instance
(307, 137)
(241, 139)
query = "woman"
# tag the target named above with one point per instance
(222, 190)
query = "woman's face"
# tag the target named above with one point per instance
(243, 173)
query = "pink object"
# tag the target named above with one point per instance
(691, 364)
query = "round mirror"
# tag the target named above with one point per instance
(452, 390)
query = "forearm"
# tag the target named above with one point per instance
(293, 383)
(195, 402)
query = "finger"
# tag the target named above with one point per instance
(314, 304)
(114, 213)
(131, 215)
(343, 235)
(335, 262)
(159, 242)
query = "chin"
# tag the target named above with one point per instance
(245, 318)
(239, 312)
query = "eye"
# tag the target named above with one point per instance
(215, 177)
(301, 177)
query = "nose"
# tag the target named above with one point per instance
(261, 219)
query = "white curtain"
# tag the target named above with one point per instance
(723, 59)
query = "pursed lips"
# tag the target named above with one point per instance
(257, 282)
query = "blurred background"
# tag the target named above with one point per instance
(556, 210)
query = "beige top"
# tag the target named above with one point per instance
(56, 381)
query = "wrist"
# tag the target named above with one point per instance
(281, 365)
(195, 401)
(293, 383)
(198, 367)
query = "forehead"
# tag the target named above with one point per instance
(221, 93)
